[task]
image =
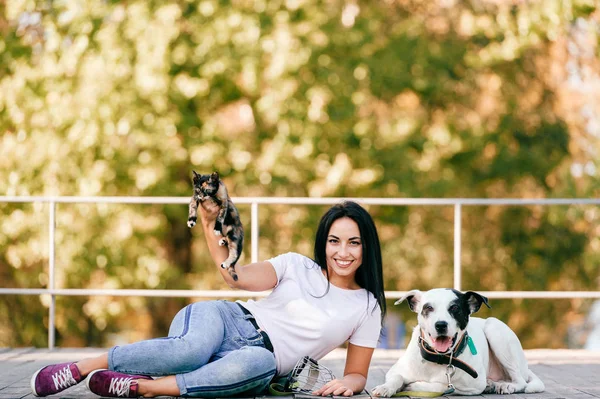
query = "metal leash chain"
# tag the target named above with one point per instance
(450, 370)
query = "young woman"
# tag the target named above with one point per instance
(221, 348)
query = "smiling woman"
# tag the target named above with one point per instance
(221, 348)
(347, 233)
(344, 253)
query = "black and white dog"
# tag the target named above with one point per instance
(486, 354)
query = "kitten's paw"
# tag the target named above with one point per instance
(191, 222)
(223, 242)
(233, 274)
(217, 233)
(224, 265)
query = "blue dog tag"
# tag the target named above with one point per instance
(471, 346)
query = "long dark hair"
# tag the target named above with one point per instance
(370, 274)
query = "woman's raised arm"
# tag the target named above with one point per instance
(259, 276)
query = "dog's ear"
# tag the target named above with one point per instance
(413, 297)
(474, 300)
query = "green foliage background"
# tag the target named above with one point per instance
(296, 98)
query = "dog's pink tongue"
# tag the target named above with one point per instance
(442, 344)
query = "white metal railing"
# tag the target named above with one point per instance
(254, 202)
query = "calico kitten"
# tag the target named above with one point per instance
(228, 222)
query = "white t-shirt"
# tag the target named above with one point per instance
(301, 321)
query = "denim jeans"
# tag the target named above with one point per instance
(212, 349)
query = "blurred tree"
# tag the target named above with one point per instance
(295, 98)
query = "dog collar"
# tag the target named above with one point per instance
(431, 355)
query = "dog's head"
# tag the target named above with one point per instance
(443, 314)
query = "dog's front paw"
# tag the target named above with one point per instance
(505, 388)
(223, 242)
(383, 390)
(191, 222)
(501, 387)
(489, 387)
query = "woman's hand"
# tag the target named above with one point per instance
(208, 210)
(334, 387)
(358, 359)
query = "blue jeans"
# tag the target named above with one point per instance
(212, 349)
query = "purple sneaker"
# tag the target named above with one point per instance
(55, 378)
(114, 384)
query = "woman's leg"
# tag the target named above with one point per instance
(239, 364)
(247, 370)
(179, 326)
(196, 333)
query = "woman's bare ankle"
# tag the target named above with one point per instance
(144, 388)
(166, 386)
(150, 388)
(86, 366)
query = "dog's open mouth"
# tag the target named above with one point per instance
(443, 343)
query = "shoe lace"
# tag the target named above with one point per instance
(63, 378)
(120, 386)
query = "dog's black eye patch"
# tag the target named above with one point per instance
(427, 308)
(459, 310)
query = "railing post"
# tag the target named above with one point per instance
(457, 246)
(52, 310)
(254, 231)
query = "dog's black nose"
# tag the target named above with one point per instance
(441, 326)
